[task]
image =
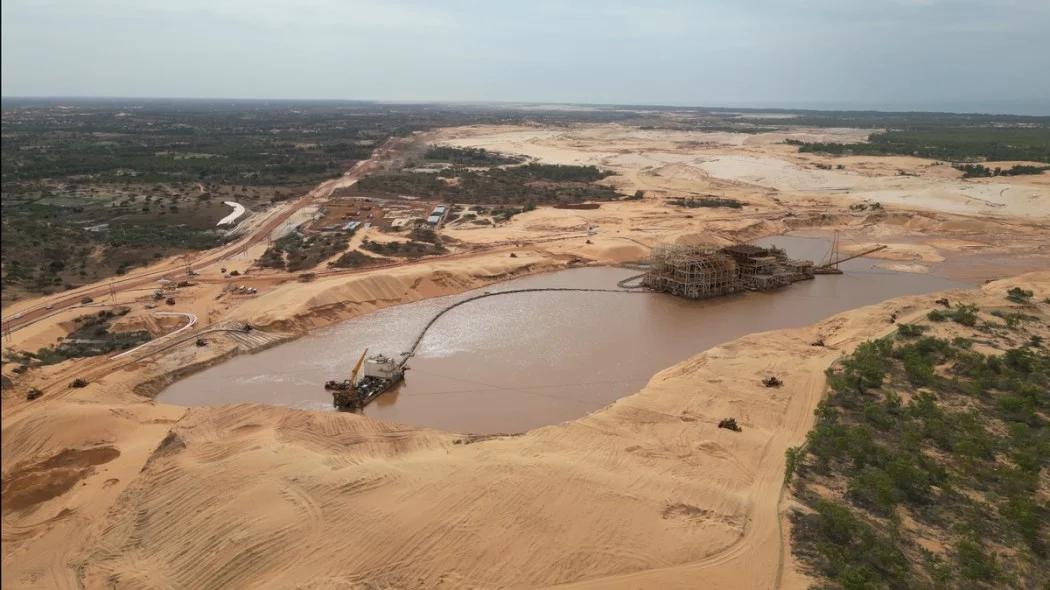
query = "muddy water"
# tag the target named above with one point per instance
(516, 362)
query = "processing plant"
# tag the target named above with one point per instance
(697, 272)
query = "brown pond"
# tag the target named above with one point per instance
(520, 361)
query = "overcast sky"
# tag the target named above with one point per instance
(921, 54)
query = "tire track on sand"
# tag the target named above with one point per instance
(753, 561)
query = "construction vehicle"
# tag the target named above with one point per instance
(772, 382)
(729, 424)
(380, 374)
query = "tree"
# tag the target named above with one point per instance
(1019, 295)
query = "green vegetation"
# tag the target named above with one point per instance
(696, 202)
(1019, 295)
(92, 337)
(92, 188)
(353, 259)
(941, 452)
(520, 185)
(964, 314)
(473, 157)
(424, 234)
(876, 206)
(979, 171)
(295, 252)
(963, 143)
(906, 331)
(408, 249)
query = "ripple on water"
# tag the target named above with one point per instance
(520, 361)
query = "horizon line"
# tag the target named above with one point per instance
(888, 109)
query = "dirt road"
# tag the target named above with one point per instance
(47, 306)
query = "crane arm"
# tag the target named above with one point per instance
(357, 367)
(857, 255)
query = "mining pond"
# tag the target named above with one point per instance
(519, 361)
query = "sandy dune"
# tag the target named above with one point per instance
(104, 487)
(758, 160)
(645, 493)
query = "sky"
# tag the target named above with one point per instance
(954, 55)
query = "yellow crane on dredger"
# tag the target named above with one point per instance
(344, 393)
(348, 384)
(357, 368)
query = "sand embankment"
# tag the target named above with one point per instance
(296, 307)
(645, 493)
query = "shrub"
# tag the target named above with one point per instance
(975, 564)
(794, 457)
(694, 202)
(1019, 295)
(910, 331)
(965, 315)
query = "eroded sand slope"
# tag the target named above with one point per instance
(647, 493)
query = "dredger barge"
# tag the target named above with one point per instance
(380, 373)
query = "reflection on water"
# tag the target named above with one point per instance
(516, 362)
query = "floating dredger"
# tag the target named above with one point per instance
(379, 374)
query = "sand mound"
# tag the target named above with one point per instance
(647, 492)
(295, 307)
(695, 239)
(615, 252)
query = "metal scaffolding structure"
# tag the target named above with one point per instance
(697, 272)
(692, 271)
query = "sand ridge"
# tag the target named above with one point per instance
(645, 493)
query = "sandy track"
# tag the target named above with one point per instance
(646, 493)
(36, 310)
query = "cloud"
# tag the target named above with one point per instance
(656, 51)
